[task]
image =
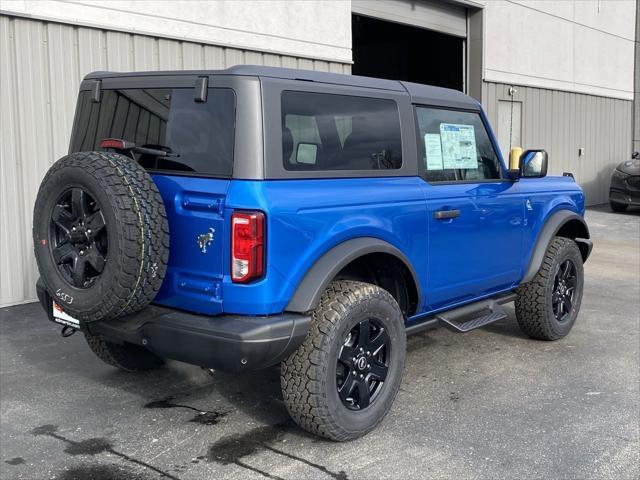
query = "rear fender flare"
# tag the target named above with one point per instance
(551, 228)
(314, 283)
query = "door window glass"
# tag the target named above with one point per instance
(455, 146)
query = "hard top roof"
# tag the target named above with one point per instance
(425, 94)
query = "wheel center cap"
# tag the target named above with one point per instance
(78, 236)
(361, 363)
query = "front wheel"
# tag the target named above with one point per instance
(340, 383)
(548, 305)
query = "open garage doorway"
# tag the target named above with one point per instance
(402, 52)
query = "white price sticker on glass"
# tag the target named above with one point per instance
(433, 151)
(458, 146)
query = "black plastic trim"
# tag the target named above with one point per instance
(200, 90)
(225, 342)
(316, 280)
(550, 229)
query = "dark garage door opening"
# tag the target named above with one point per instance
(401, 52)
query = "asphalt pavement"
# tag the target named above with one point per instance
(487, 404)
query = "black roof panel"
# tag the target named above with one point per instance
(424, 94)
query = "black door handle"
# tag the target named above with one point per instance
(445, 214)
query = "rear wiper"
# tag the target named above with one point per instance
(130, 147)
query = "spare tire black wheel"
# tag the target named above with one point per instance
(100, 235)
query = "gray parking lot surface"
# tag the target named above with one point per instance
(487, 404)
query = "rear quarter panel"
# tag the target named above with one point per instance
(306, 218)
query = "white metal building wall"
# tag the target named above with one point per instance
(564, 122)
(41, 65)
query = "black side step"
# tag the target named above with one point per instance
(465, 319)
(462, 326)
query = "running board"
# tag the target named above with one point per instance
(464, 319)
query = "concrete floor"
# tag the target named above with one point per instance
(488, 404)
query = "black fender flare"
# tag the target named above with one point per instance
(550, 229)
(315, 281)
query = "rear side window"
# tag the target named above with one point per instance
(455, 146)
(199, 135)
(339, 132)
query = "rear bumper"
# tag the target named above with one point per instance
(225, 342)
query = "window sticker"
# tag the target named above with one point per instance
(433, 150)
(458, 146)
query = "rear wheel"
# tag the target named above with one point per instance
(618, 207)
(342, 380)
(548, 305)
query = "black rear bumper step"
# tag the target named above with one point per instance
(224, 342)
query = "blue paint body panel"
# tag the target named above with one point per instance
(194, 279)
(482, 252)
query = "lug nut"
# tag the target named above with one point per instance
(361, 376)
(369, 366)
(89, 231)
(73, 228)
(368, 352)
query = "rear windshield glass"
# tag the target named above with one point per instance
(200, 136)
(339, 132)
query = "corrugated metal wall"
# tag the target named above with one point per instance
(563, 122)
(636, 84)
(41, 65)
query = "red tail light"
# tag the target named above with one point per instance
(247, 246)
(116, 143)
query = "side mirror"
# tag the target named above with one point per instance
(533, 164)
(306, 153)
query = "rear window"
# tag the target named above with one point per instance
(339, 132)
(199, 135)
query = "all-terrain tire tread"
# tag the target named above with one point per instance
(303, 393)
(532, 303)
(144, 243)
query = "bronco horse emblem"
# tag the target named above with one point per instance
(205, 239)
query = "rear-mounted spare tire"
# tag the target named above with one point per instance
(100, 235)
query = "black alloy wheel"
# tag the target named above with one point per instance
(78, 237)
(564, 286)
(100, 235)
(363, 364)
(342, 380)
(548, 305)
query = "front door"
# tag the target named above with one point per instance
(474, 215)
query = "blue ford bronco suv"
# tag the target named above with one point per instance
(256, 216)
